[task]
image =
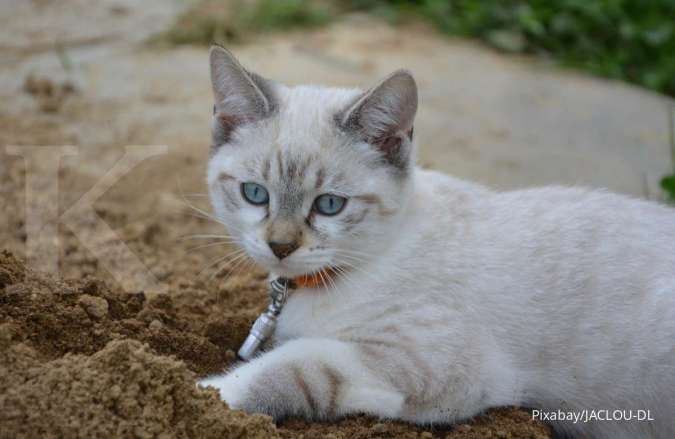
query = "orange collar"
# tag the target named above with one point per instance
(321, 278)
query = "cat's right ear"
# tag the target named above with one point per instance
(241, 96)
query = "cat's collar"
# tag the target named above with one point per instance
(321, 278)
(264, 326)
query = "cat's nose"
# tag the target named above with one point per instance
(283, 249)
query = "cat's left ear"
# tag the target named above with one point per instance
(384, 116)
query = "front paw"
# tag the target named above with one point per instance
(229, 386)
(257, 391)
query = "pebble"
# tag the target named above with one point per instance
(95, 307)
(378, 428)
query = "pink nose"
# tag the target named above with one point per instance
(283, 249)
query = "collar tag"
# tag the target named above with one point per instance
(264, 326)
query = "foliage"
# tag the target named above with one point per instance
(220, 21)
(668, 185)
(632, 40)
(668, 182)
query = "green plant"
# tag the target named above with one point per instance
(633, 40)
(269, 15)
(668, 182)
(668, 185)
(220, 21)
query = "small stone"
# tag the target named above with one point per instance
(378, 428)
(115, 391)
(426, 435)
(95, 307)
(156, 325)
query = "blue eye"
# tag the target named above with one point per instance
(254, 193)
(329, 204)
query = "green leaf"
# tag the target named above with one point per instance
(509, 41)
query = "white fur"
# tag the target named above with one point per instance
(463, 299)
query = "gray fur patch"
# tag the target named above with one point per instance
(376, 201)
(304, 389)
(352, 220)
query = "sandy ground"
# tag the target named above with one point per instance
(92, 349)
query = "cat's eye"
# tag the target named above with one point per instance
(329, 204)
(255, 193)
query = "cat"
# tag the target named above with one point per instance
(440, 298)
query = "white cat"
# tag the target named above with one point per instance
(440, 298)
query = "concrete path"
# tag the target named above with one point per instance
(502, 120)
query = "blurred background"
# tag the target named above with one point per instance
(512, 92)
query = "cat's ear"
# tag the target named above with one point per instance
(384, 116)
(240, 96)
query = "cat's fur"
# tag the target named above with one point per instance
(455, 298)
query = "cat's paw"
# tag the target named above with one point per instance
(229, 386)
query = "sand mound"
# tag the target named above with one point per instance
(123, 390)
(59, 317)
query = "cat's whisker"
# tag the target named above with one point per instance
(343, 277)
(241, 265)
(212, 244)
(323, 280)
(344, 273)
(196, 195)
(333, 284)
(201, 216)
(354, 259)
(234, 262)
(223, 258)
(359, 269)
(355, 256)
(201, 213)
(354, 252)
(183, 238)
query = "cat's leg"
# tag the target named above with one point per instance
(314, 378)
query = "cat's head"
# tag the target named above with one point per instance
(307, 177)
